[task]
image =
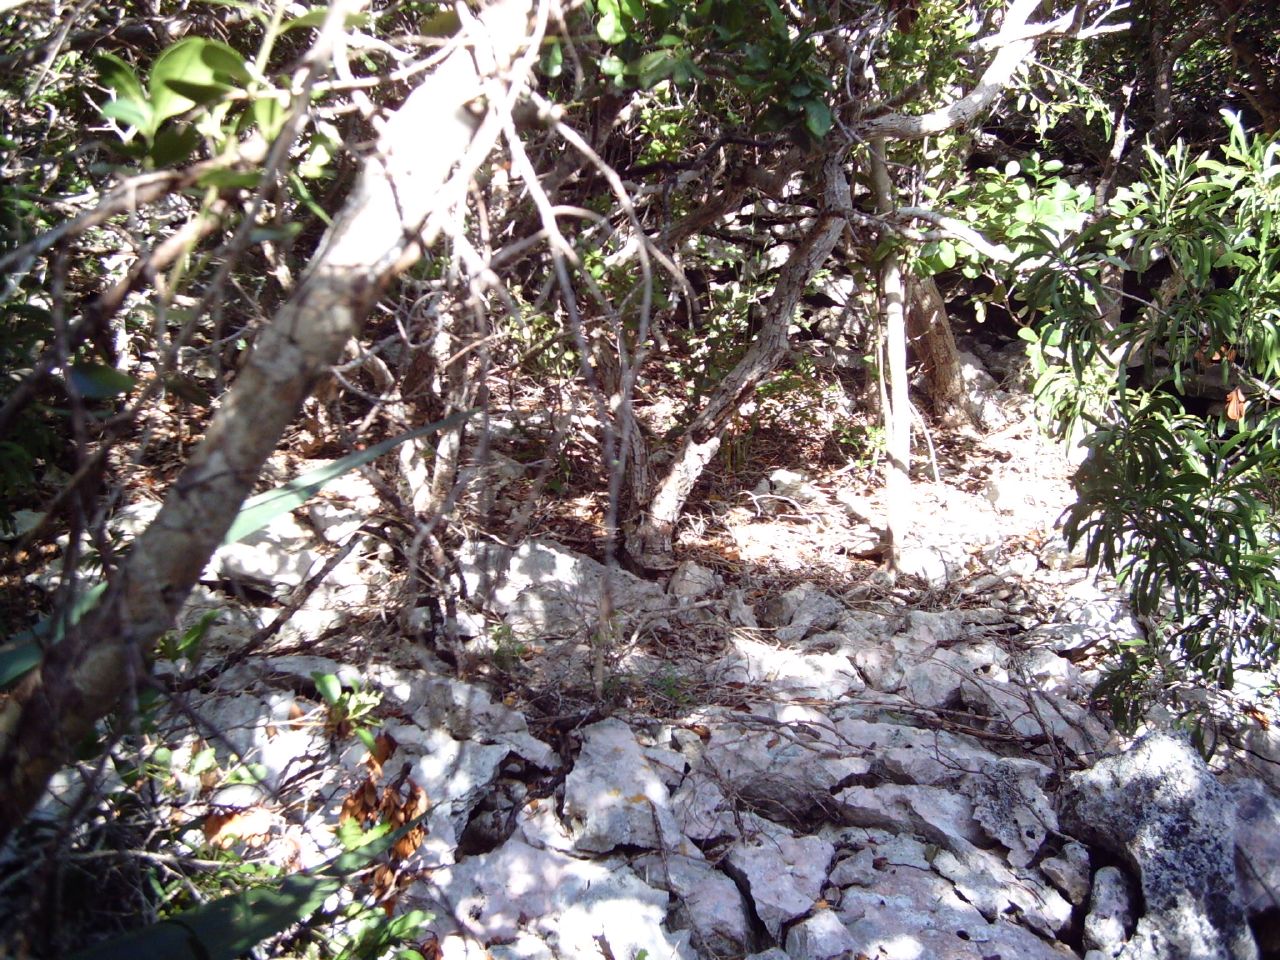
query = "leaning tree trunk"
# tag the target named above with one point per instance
(406, 189)
(650, 542)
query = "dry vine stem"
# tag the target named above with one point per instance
(406, 193)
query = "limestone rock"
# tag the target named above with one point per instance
(1257, 838)
(820, 937)
(544, 588)
(1110, 920)
(939, 815)
(893, 904)
(1158, 806)
(983, 880)
(1011, 807)
(800, 611)
(786, 770)
(690, 580)
(711, 905)
(613, 797)
(783, 875)
(566, 902)
(1069, 872)
(827, 676)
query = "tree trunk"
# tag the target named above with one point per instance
(898, 412)
(930, 336)
(405, 191)
(650, 542)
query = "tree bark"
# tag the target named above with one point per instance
(406, 189)
(650, 542)
(930, 336)
(898, 412)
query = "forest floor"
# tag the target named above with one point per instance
(519, 697)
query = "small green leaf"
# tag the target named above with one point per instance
(817, 118)
(205, 760)
(610, 27)
(200, 94)
(16, 661)
(259, 511)
(552, 63)
(329, 687)
(230, 179)
(175, 144)
(118, 76)
(652, 67)
(134, 113)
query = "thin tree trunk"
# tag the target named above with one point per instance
(405, 190)
(898, 414)
(650, 543)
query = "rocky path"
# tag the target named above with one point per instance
(840, 768)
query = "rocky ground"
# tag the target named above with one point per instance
(778, 751)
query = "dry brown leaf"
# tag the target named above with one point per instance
(384, 745)
(352, 809)
(252, 825)
(417, 803)
(390, 807)
(1236, 404)
(384, 879)
(406, 845)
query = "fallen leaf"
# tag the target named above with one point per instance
(252, 825)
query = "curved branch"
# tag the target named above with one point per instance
(1013, 43)
(405, 191)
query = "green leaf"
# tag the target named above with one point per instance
(134, 113)
(194, 70)
(610, 27)
(205, 760)
(315, 18)
(118, 76)
(16, 660)
(329, 686)
(97, 381)
(817, 118)
(199, 94)
(552, 63)
(175, 144)
(226, 928)
(259, 511)
(230, 179)
(23, 653)
(652, 67)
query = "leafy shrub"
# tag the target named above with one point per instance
(1180, 507)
